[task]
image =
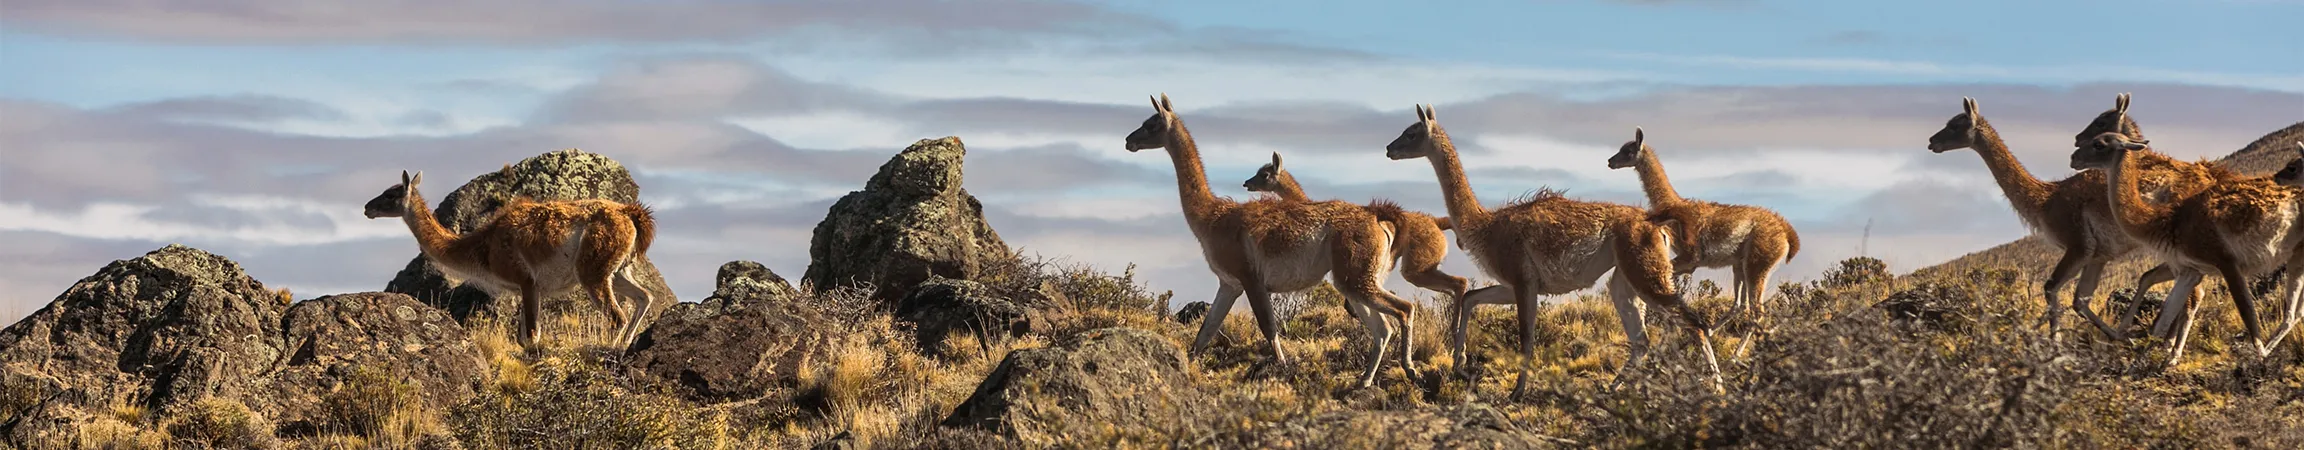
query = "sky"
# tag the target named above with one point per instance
(255, 129)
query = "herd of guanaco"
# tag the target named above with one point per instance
(2197, 218)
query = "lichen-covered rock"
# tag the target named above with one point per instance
(568, 174)
(161, 331)
(1460, 426)
(940, 307)
(747, 337)
(913, 220)
(747, 278)
(330, 339)
(180, 322)
(1106, 376)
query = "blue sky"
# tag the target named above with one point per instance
(255, 128)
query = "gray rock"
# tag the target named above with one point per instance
(568, 174)
(1106, 376)
(913, 220)
(742, 278)
(331, 338)
(940, 307)
(161, 330)
(746, 338)
(1192, 313)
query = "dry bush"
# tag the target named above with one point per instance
(577, 404)
(1948, 360)
(379, 410)
(216, 422)
(108, 433)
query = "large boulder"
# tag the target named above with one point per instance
(393, 337)
(160, 331)
(750, 335)
(568, 174)
(911, 221)
(1107, 376)
(940, 307)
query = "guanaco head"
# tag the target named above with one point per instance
(1419, 140)
(1154, 133)
(1268, 178)
(2113, 120)
(1958, 133)
(2293, 173)
(394, 201)
(2104, 151)
(1630, 153)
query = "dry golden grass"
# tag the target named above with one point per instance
(113, 434)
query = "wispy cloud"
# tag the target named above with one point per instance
(1977, 73)
(915, 22)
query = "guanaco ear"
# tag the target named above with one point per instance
(2121, 104)
(1420, 113)
(2136, 145)
(404, 178)
(1639, 137)
(1165, 105)
(1970, 105)
(416, 180)
(2300, 147)
(1155, 102)
(1275, 160)
(1430, 114)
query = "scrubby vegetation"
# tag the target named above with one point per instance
(1857, 359)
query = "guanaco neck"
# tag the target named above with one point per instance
(1285, 186)
(2027, 194)
(2139, 218)
(1463, 207)
(431, 238)
(1191, 178)
(1653, 181)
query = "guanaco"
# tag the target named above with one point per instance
(537, 249)
(1268, 246)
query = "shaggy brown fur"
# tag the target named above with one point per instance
(1268, 246)
(1551, 245)
(1751, 241)
(2237, 228)
(2117, 120)
(2071, 212)
(1420, 246)
(538, 250)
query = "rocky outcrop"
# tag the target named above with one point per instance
(747, 278)
(332, 339)
(940, 307)
(161, 330)
(1932, 305)
(1106, 376)
(1192, 313)
(560, 175)
(748, 336)
(1461, 426)
(913, 220)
